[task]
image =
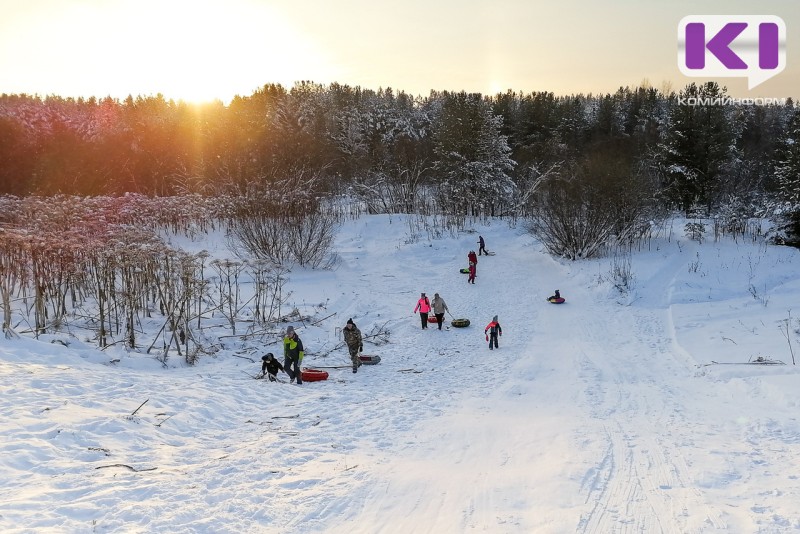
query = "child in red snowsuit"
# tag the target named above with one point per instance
(473, 266)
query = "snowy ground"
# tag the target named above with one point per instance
(604, 414)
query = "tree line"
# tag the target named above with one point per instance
(615, 157)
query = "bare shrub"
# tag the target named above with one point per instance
(310, 237)
(394, 190)
(572, 219)
(622, 270)
(694, 266)
(283, 222)
(577, 212)
(14, 267)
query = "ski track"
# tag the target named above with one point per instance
(641, 483)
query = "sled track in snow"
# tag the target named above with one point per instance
(621, 493)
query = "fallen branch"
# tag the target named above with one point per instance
(252, 334)
(111, 344)
(379, 335)
(165, 420)
(140, 407)
(10, 333)
(328, 352)
(408, 371)
(757, 361)
(320, 320)
(129, 467)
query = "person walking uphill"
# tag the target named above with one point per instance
(439, 307)
(482, 245)
(473, 266)
(424, 306)
(494, 329)
(355, 344)
(270, 367)
(292, 355)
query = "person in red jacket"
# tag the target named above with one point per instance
(424, 306)
(473, 266)
(494, 330)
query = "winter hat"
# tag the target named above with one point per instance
(494, 318)
(422, 294)
(350, 321)
(289, 330)
(268, 356)
(436, 295)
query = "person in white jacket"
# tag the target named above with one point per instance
(439, 307)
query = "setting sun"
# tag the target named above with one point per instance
(188, 50)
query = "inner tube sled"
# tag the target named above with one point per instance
(460, 323)
(553, 300)
(432, 319)
(369, 359)
(313, 375)
(464, 270)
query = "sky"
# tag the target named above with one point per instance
(214, 49)
(612, 412)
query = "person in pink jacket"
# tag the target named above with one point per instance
(424, 306)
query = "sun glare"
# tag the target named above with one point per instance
(195, 50)
(204, 53)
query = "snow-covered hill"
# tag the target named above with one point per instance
(604, 414)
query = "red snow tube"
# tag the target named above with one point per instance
(313, 375)
(559, 300)
(369, 359)
(432, 319)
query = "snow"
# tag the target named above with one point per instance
(603, 414)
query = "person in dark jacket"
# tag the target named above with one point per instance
(482, 245)
(355, 344)
(270, 366)
(292, 355)
(494, 330)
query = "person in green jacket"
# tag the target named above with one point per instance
(292, 355)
